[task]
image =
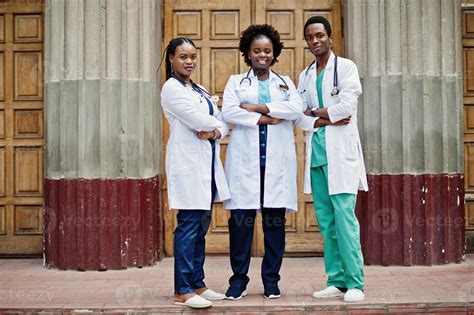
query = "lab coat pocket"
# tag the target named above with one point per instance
(332, 100)
(279, 94)
(305, 99)
(182, 157)
(303, 95)
(350, 149)
(243, 94)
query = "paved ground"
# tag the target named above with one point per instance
(25, 285)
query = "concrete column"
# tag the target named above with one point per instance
(411, 122)
(103, 133)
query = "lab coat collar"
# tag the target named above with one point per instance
(272, 75)
(329, 65)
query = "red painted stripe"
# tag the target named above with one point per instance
(99, 224)
(134, 229)
(50, 218)
(412, 219)
(113, 224)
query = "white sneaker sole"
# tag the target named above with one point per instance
(193, 305)
(328, 296)
(354, 300)
(244, 293)
(215, 297)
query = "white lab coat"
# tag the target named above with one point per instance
(346, 170)
(242, 164)
(188, 159)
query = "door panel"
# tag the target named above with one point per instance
(216, 30)
(468, 57)
(21, 127)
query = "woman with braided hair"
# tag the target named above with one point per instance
(195, 175)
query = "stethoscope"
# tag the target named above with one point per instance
(283, 86)
(335, 89)
(196, 88)
(209, 99)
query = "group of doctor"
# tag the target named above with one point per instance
(260, 166)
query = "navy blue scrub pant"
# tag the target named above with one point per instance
(241, 227)
(190, 245)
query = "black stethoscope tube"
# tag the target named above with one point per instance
(335, 90)
(250, 81)
(195, 87)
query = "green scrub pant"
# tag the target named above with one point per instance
(338, 224)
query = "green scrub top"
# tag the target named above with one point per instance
(318, 142)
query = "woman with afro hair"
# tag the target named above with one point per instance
(261, 160)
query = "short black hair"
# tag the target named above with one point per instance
(256, 31)
(318, 19)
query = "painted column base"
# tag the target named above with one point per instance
(101, 224)
(413, 219)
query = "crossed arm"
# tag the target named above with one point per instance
(323, 118)
(261, 109)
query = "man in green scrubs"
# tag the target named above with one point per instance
(336, 164)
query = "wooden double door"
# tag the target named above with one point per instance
(215, 27)
(21, 127)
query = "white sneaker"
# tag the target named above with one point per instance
(212, 295)
(329, 292)
(354, 295)
(243, 294)
(195, 302)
